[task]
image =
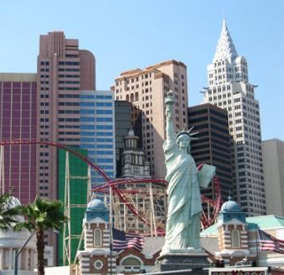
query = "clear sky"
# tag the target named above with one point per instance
(127, 34)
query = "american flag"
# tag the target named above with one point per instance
(270, 243)
(122, 240)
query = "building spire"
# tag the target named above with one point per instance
(225, 47)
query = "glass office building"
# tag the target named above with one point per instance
(97, 131)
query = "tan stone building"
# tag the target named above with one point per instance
(146, 90)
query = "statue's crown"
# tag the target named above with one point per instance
(188, 133)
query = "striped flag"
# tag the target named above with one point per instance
(122, 240)
(270, 243)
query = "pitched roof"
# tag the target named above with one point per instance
(267, 222)
(225, 47)
(152, 245)
(262, 222)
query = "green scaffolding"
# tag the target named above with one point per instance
(78, 186)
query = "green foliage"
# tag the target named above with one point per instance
(7, 215)
(42, 214)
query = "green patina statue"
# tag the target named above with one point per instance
(185, 180)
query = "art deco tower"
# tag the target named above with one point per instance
(230, 89)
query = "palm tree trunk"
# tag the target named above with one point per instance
(40, 251)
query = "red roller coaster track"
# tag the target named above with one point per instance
(114, 184)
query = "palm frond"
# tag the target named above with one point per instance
(8, 213)
(24, 225)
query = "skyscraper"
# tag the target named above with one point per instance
(18, 113)
(213, 144)
(122, 125)
(63, 70)
(273, 163)
(146, 90)
(229, 88)
(97, 131)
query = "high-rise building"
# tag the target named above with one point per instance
(146, 90)
(122, 125)
(213, 144)
(273, 163)
(18, 113)
(97, 131)
(63, 70)
(229, 88)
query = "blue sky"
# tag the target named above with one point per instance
(126, 34)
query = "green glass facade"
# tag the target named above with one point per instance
(78, 195)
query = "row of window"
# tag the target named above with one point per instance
(99, 112)
(92, 152)
(95, 96)
(98, 104)
(96, 146)
(97, 140)
(92, 133)
(93, 127)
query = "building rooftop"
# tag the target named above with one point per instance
(137, 71)
(225, 47)
(96, 205)
(262, 222)
(230, 206)
(20, 77)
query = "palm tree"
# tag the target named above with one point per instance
(7, 212)
(41, 215)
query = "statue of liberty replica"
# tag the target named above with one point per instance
(182, 249)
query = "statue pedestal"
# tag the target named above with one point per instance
(184, 261)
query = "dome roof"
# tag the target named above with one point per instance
(130, 133)
(96, 205)
(230, 206)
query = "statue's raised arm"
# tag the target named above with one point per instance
(169, 102)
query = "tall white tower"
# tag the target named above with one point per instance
(229, 88)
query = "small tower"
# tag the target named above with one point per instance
(97, 258)
(233, 235)
(133, 159)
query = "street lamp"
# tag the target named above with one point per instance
(18, 252)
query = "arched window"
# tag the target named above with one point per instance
(131, 264)
(235, 239)
(98, 237)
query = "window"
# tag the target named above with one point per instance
(235, 239)
(131, 264)
(97, 237)
(98, 264)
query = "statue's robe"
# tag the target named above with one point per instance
(184, 200)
